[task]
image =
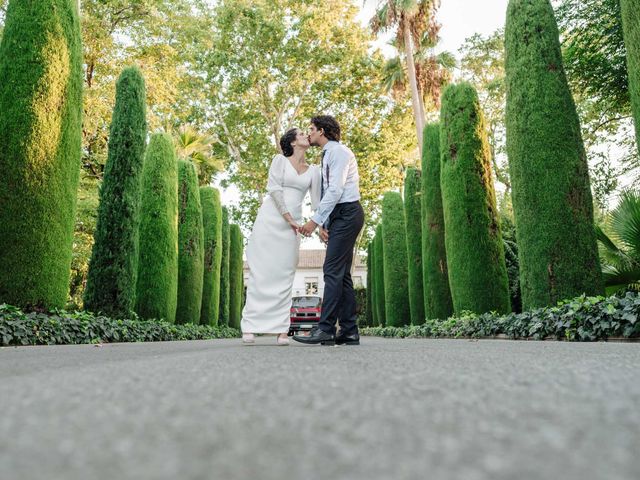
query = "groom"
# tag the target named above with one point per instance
(341, 214)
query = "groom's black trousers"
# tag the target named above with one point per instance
(339, 299)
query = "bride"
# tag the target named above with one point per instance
(273, 248)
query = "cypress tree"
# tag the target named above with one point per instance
(369, 312)
(190, 245)
(236, 276)
(396, 277)
(631, 32)
(437, 296)
(113, 269)
(40, 149)
(475, 252)
(379, 276)
(549, 174)
(413, 225)
(157, 284)
(224, 270)
(212, 225)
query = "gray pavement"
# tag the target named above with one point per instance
(389, 409)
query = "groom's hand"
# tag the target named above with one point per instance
(308, 228)
(324, 235)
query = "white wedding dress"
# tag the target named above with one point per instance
(273, 248)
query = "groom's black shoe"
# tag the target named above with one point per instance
(316, 336)
(353, 339)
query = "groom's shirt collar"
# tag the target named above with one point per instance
(330, 144)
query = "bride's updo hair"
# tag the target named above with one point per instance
(286, 140)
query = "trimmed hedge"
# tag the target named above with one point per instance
(113, 269)
(368, 317)
(413, 228)
(223, 318)
(378, 279)
(475, 252)
(40, 149)
(552, 201)
(63, 328)
(581, 319)
(236, 276)
(396, 277)
(212, 225)
(190, 245)
(437, 296)
(157, 288)
(631, 30)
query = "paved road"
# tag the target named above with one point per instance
(389, 409)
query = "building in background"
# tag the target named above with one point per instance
(309, 279)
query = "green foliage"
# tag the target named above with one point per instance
(369, 315)
(236, 276)
(620, 244)
(549, 174)
(157, 288)
(212, 225)
(437, 296)
(396, 277)
(584, 319)
(224, 270)
(111, 281)
(64, 328)
(197, 147)
(378, 270)
(40, 138)
(475, 255)
(262, 79)
(361, 302)
(413, 225)
(190, 245)
(631, 29)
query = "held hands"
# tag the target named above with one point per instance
(292, 223)
(308, 228)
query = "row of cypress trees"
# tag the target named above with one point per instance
(463, 254)
(159, 239)
(179, 267)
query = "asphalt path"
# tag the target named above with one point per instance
(388, 409)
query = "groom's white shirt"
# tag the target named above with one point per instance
(340, 180)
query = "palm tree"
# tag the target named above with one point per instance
(197, 147)
(620, 245)
(413, 20)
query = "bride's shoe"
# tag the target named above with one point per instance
(282, 339)
(248, 338)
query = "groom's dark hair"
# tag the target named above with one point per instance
(330, 126)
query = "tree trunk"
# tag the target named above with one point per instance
(415, 95)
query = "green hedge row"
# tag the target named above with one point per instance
(581, 319)
(61, 328)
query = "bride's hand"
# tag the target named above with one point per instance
(294, 226)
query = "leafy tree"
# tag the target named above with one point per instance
(549, 174)
(475, 255)
(437, 296)
(413, 225)
(414, 23)
(236, 276)
(197, 148)
(40, 134)
(111, 281)
(157, 287)
(261, 79)
(190, 245)
(394, 240)
(212, 225)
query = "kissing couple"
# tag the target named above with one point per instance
(274, 245)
